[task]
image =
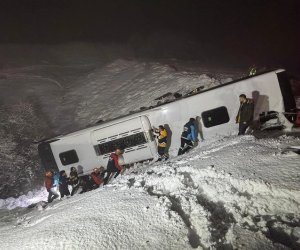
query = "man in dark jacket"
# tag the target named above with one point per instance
(63, 184)
(113, 165)
(188, 136)
(245, 114)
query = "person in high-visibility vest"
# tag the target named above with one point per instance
(162, 137)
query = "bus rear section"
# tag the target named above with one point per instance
(291, 112)
(134, 135)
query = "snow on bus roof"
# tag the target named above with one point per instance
(139, 113)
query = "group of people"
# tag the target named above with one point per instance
(189, 134)
(188, 139)
(57, 183)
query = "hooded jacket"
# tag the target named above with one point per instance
(245, 113)
(189, 132)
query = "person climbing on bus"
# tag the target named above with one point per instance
(113, 166)
(73, 180)
(63, 184)
(162, 142)
(49, 184)
(188, 137)
(245, 114)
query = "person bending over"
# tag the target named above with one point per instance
(113, 166)
(188, 137)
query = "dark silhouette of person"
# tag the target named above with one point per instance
(245, 114)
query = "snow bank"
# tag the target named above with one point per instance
(237, 192)
(24, 200)
(100, 219)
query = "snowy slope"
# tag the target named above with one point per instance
(50, 90)
(124, 86)
(72, 95)
(228, 193)
(237, 192)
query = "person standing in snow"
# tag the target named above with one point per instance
(245, 114)
(188, 137)
(73, 180)
(162, 142)
(63, 184)
(49, 184)
(113, 166)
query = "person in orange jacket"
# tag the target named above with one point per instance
(49, 186)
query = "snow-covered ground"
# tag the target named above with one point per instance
(231, 193)
(228, 193)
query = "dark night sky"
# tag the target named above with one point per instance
(259, 30)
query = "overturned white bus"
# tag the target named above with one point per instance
(215, 110)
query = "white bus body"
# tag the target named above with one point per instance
(214, 109)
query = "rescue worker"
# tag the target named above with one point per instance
(49, 184)
(245, 114)
(188, 137)
(113, 166)
(162, 142)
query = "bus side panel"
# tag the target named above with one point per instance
(83, 148)
(149, 135)
(287, 94)
(47, 157)
(264, 89)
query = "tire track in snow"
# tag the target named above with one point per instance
(221, 201)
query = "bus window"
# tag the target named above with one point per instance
(215, 117)
(126, 142)
(68, 157)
